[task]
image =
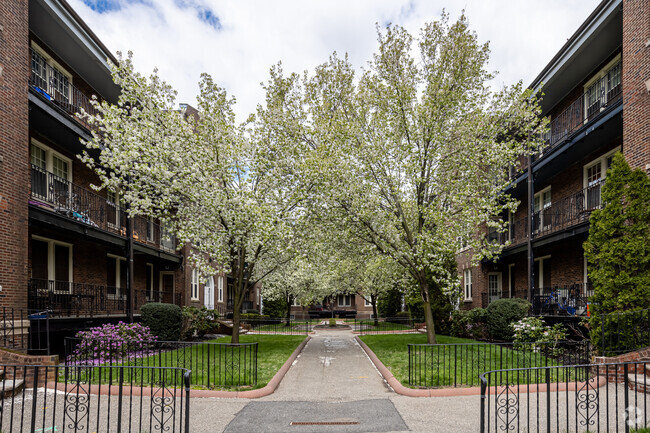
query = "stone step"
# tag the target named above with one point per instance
(9, 387)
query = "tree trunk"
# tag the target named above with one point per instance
(373, 301)
(428, 314)
(289, 302)
(236, 314)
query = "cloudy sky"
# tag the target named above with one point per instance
(236, 41)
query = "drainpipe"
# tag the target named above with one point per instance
(531, 206)
(129, 264)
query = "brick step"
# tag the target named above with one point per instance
(9, 387)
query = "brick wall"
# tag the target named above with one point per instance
(636, 70)
(9, 358)
(14, 169)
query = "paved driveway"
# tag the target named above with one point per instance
(333, 387)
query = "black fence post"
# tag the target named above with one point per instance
(186, 379)
(119, 401)
(626, 397)
(483, 397)
(548, 399)
(34, 398)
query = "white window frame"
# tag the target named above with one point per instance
(467, 284)
(542, 206)
(49, 158)
(367, 303)
(220, 288)
(208, 299)
(596, 77)
(540, 277)
(194, 285)
(51, 260)
(55, 65)
(113, 199)
(511, 267)
(499, 288)
(602, 160)
(150, 229)
(118, 273)
(347, 300)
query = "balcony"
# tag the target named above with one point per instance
(567, 300)
(600, 95)
(58, 195)
(69, 299)
(560, 215)
(55, 87)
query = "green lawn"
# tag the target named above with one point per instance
(459, 365)
(213, 366)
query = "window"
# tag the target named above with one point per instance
(543, 273)
(194, 291)
(113, 209)
(344, 300)
(494, 286)
(208, 293)
(51, 176)
(511, 280)
(149, 229)
(367, 303)
(48, 77)
(167, 239)
(149, 282)
(511, 226)
(52, 261)
(116, 275)
(594, 177)
(604, 87)
(542, 218)
(467, 281)
(220, 289)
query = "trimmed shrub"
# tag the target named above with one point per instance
(198, 321)
(469, 324)
(164, 320)
(275, 307)
(502, 313)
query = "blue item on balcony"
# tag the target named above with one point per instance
(43, 92)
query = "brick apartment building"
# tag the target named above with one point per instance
(597, 97)
(64, 246)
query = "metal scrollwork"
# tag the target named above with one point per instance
(77, 406)
(163, 406)
(587, 402)
(507, 407)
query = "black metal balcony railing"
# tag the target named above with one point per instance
(600, 95)
(560, 215)
(59, 195)
(52, 85)
(66, 298)
(568, 300)
(246, 305)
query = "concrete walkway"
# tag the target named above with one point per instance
(333, 387)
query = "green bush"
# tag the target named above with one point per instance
(164, 320)
(198, 321)
(469, 324)
(502, 313)
(389, 303)
(332, 322)
(275, 307)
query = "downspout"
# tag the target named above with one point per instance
(529, 228)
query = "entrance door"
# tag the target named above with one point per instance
(494, 286)
(167, 287)
(208, 294)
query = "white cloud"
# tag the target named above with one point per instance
(168, 34)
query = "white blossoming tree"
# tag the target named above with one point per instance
(416, 151)
(232, 192)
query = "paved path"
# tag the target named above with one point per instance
(333, 387)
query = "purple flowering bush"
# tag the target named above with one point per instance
(112, 343)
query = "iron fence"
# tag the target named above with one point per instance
(212, 364)
(576, 398)
(72, 399)
(404, 325)
(25, 330)
(278, 326)
(623, 332)
(457, 365)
